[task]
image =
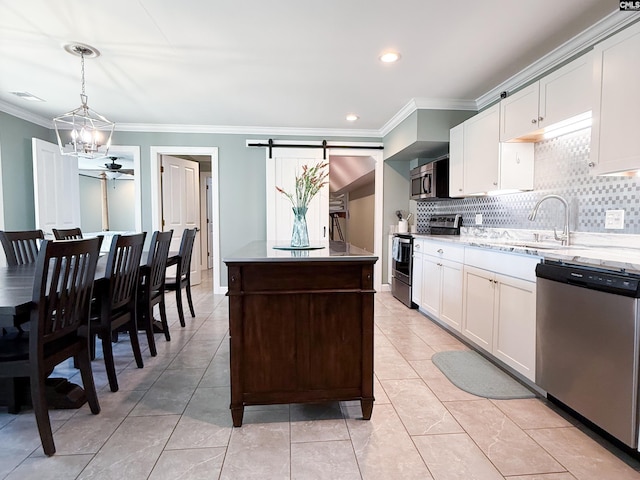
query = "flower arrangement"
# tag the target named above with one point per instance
(308, 184)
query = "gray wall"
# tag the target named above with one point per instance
(241, 176)
(121, 204)
(17, 170)
(90, 204)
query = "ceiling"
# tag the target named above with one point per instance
(285, 64)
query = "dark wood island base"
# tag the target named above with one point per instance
(301, 327)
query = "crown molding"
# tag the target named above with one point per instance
(585, 40)
(240, 130)
(425, 103)
(25, 115)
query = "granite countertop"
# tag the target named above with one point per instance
(261, 251)
(618, 252)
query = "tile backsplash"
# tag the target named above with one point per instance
(561, 168)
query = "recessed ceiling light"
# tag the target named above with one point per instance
(27, 96)
(352, 117)
(390, 57)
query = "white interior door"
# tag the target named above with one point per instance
(181, 204)
(282, 169)
(56, 187)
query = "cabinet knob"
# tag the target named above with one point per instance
(591, 164)
(459, 189)
(416, 246)
(534, 120)
(233, 278)
(540, 119)
(495, 184)
(440, 250)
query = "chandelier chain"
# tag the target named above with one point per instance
(82, 70)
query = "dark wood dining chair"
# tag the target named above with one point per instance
(62, 291)
(116, 301)
(67, 233)
(183, 273)
(151, 290)
(21, 247)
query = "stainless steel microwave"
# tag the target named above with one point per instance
(431, 181)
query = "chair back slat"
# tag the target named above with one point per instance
(62, 288)
(186, 249)
(67, 234)
(157, 260)
(21, 247)
(123, 268)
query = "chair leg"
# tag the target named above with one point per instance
(179, 305)
(189, 299)
(84, 364)
(13, 389)
(151, 339)
(92, 346)
(41, 411)
(163, 319)
(107, 352)
(135, 344)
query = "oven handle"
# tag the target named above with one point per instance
(403, 240)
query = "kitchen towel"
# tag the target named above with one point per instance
(471, 372)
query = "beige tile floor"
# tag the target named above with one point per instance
(170, 420)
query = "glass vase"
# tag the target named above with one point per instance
(300, 235)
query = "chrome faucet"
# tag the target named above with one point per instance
(564, 236)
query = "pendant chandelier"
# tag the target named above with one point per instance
(83, 132)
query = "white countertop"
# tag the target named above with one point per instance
(619, 252)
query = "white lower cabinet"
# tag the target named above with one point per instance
(442, 282)
(499, 310)
(487, 295)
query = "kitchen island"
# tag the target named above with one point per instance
(301, 326)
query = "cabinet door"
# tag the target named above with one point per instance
(456, 161)
(519, 113)
(515, 324)
(451, 294)
(616, 103)
(478, 306)
(567, 92)
(516, 166)
(481, 151)
(431, 285)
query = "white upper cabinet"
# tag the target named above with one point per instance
(491, 166)
(553, 100)
(519, 113)
(456, 161)
(481, 151)
(616, 102)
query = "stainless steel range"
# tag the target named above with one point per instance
(402, 255)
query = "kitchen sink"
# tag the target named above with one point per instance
(535, 245)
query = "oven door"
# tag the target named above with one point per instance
(402, 258)
(422, 184)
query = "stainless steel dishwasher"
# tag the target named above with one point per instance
(587, 344)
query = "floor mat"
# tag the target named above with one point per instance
(471, 372)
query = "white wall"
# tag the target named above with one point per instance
(361, 217)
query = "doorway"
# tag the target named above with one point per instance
(208, 159)
(366, 171)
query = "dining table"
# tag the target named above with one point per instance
(16, 292)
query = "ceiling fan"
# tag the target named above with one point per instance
(116, 167)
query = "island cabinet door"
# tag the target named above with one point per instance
(330, 335)
(268, 337)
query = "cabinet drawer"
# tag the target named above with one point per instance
(418, 246)
(511, 264)
(444, 250)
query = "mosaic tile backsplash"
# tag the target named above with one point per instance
(561, 168)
